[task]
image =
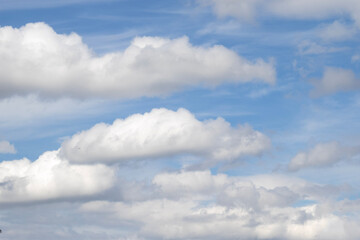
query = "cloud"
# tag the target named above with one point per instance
(355, 58)
(308, 47)
(334, 80)
(292, 9)
(200, 205)
(322, 155)
(35, 59)
(23, 4)
(186, 219)
(336, 31)
(49, 178)
(161, 133)
(6, 147)
(29, 110)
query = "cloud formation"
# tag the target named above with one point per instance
(322, 155)
(334, 80)
(35, 59)
(336, 31)
(292, 9)
(199, 205)
(6, 147)
(50, 178)
(161, 133)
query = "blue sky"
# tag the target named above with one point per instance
(184, 119)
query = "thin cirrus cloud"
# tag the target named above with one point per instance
(51, 178)
(161, 133)
(36, 59)
(336, 31)
(334, 80)
(6, 147)
(292, 9)
(23, 4)
(322, 155)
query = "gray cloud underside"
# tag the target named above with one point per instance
(335, 80)
(323, 155)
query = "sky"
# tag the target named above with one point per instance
(183, 119)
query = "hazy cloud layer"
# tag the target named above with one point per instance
(23, 4)
(35, 59)
(6, 147)
(322, 155)
(292, 9)
(336, 31)
(160, 133)
(334, 80)
(50, 178)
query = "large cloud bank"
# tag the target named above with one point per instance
(35, 59)
(160, 133)
(199, 205)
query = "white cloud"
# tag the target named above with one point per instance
(35, 59)
(308, 47)
(334, 80)
(245, 10)
(29, 110)
(6, 147)
(323, 154)
(337, 31)
(355, 58)
(24, 4)
(163, 132)
(50, 177)
(187, 219)
(292, 9)
(199, 205)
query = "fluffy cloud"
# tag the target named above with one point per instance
(186, 219)
(323, 154)
(6, 147)
(199, 205)
(50, 177)
(34, 58)
(294, 9)
(334, 80)
(163, 132)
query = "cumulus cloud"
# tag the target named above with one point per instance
(50, 177)
(293, 9)
(334, 80)
(323, 154)
(160, 133)
(6, 147)
(200, 205)
(186, 219)
(35, 59)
